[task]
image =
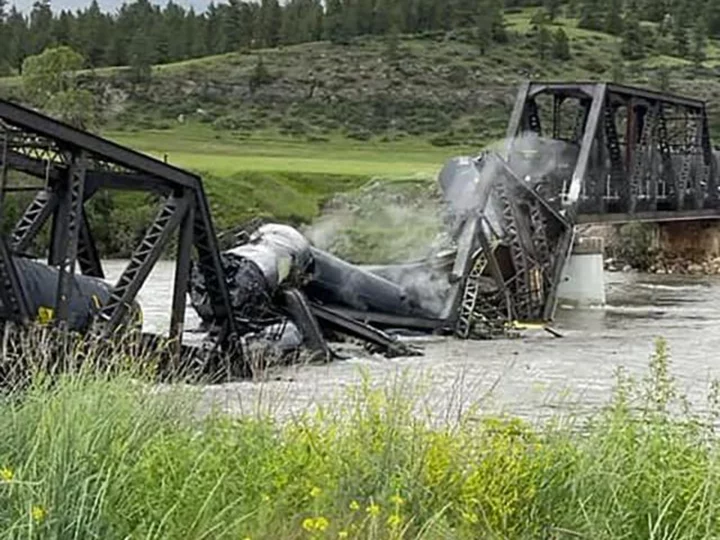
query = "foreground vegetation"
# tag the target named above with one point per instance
(101, 456)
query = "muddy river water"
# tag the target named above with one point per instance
(533, 376)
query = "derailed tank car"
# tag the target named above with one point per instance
(507, 247)
(38, 284)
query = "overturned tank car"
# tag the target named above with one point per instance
(508, 248)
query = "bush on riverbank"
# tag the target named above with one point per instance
(632, 245)
(101, 456)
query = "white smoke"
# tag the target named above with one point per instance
(386, 221)
(380, 224)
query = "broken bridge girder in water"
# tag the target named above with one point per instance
(73, 165)
(508, 247)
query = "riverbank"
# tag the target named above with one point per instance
(710, 266)
(101, 456)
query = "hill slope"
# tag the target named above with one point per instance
(281, 136)
(438, 87)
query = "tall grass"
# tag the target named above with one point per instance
(90, 454)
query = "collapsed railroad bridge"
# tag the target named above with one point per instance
(574, 153)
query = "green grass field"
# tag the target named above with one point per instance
(284, 179)
(221, 154)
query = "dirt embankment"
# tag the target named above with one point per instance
(661, 248)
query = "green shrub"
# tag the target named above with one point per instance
(444, 139)
(359, 134)
(635, 245)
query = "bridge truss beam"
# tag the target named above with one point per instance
(67, 167)
(628, 152)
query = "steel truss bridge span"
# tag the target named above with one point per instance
(621, 153)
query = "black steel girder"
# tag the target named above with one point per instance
(66, 233)
(142, 262)
(641, 151)
(48, 149)
(101, 149)
(575, 89)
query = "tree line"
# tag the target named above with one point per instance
(141, 33)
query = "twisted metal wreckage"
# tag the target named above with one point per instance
(505, 238)
(512, 217)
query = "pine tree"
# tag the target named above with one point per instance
(334, 30)
(681, 24)
(713, 18)
(591, 14)
(392, 45)
(699, 43)
(680, 38)
(632, 46)
(18, 46)
(561, 45)
(496, 11)
(572, 9)
(142, 56)
(4, 38)
(662, 79)
(350, 19)
(483, 32)
(553, 8)
(93, 34)
(260, 75)
(270, 23)
(231, 27)
(614, 18)
(41, 19)
(543, 41)
(617, 71)
(656, 10)
(174, 28)
(195, 32)
(364, 10)
(62, 28)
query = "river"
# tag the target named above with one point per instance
(533, 376)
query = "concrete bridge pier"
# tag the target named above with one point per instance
(583, 281)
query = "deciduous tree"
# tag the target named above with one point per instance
(50, 82)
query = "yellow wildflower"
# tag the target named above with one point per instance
(397, 500)
(266, 498)
(6, 474)
(373, 510)
(315, 492)
(321, 523)
(343, 534)
(394, 521)
(354, 506)
(38, 513)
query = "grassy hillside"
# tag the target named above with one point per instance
(440, 89)
(321, 118)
